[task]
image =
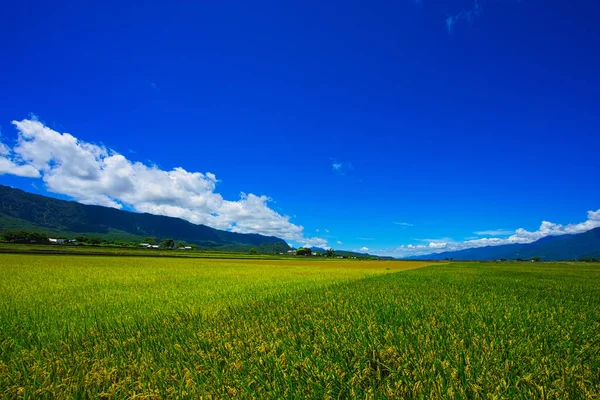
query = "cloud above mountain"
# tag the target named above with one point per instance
(94, 174)
(518, 236)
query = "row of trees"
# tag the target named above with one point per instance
(303, 251)
(25, 237)
(43, 238)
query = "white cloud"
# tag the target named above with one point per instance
(94, 174)
(364, 249)
(8, 166)
(403, 224)
(339, 242)
(438, 245)
(327, 230)
(546, 229)
(340, 167)
(316, 230)
(494, 232)
(519, 236)
(315, 242)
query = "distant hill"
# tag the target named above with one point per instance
(563, 247)
(318, 249)
(20, 210)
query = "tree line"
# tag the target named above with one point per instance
(25, 237)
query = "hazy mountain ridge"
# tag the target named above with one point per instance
(563, 247)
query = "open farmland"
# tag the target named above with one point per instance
(77, 326)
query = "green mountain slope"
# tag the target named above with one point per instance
(20, 210)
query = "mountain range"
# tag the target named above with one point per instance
(563, 247)
(24, 211)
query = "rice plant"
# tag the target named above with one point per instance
(175, 328)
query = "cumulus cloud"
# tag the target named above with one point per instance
(8, 166)
(94, 174)
(518, 236)
(315, 242)
(438, 245)
(339, 242)
(546, 229)
(364, 249)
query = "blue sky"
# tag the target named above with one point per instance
(371, 125)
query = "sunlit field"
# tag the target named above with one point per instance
(122, 327)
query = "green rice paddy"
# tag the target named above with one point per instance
(129, 327)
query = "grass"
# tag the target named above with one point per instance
(112, 250)
(156, 328)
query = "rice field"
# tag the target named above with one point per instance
(112, 327)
